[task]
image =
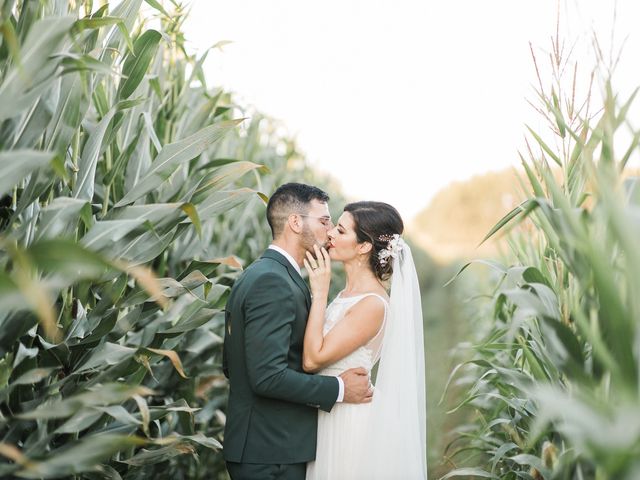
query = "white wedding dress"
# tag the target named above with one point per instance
(387, 438)
(342, 433)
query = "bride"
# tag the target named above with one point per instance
(384, 439)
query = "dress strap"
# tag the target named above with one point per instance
(375, 344)
(361, 296)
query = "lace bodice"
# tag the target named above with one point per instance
(365, 356)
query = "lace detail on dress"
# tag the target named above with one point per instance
(365, 356)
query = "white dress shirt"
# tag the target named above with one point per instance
(291, 260)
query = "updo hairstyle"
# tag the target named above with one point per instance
(372, 221)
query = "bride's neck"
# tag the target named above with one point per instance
(360, 278)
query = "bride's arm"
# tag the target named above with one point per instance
(319, 269)
(360, 324)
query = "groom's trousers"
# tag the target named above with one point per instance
(259, 471)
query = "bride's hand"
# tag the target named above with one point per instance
(319, 269)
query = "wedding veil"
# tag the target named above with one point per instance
(397, 428)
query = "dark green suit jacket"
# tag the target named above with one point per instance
(272, 412)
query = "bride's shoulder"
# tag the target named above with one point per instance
(370, 303)
(380, 293)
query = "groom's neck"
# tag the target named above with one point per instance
(292, 248)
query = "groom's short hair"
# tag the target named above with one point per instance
(291, 198)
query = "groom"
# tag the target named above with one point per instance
(271, 422)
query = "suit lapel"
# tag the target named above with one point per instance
(293, 273)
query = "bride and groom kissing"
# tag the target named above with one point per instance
(301, 400)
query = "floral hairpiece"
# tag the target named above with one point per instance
(391, 250)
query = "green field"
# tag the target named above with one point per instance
(132, 193)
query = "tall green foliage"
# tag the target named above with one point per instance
(116, 161)
(554, 380)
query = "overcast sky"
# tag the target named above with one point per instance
(398, 98)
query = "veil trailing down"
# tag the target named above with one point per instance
(396, 438)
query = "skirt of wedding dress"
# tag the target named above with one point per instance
(341, 437)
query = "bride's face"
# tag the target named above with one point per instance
(343, 242)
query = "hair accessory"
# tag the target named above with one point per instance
(394, 244)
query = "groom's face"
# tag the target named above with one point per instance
(317, 222)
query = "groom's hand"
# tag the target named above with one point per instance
(357, 388)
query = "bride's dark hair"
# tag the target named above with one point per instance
(374, 220)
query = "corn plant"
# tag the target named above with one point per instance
(553, 381)
(114, 188)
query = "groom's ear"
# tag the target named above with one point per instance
(295, 223)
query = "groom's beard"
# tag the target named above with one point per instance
(309, 240)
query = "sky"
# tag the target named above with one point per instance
(396, 99)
